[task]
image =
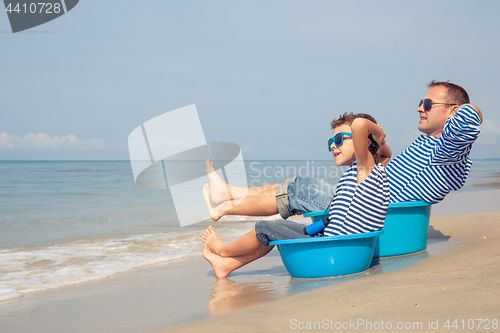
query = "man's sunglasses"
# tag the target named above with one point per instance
(428, 103)
(338, 140)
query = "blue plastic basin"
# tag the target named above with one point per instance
(318, 257)
(405, 228)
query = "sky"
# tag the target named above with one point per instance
(268, 76)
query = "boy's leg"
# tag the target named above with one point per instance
(252, 247)
(260, 236)
(246, 244)
(223, 266)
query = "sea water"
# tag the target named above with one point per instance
(68, 222)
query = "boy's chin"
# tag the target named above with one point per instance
(342, 162)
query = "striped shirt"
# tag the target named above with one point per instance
(358, 208)
(431, 167)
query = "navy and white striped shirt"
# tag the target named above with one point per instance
(358, 208)
(431, 167)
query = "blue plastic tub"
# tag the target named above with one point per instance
(405, 228)
(318, 257)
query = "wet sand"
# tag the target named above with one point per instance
(493, 183)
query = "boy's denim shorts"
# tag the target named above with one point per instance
(267, 231)
(299, 195)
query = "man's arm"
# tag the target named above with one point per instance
(475, 109)
(458, 135)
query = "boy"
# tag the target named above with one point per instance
(359, 205)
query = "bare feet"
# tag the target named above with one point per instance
(212, 241)
(213, 211)
(221, 269)
(219, 191)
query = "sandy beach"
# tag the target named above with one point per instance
(457, 278)
(461, 283)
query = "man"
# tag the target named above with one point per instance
(433, 165)
(437, 162)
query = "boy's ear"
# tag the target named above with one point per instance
(371, 141)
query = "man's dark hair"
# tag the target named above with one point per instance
(456, 94)
(348, 118)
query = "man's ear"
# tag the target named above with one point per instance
(452, 111)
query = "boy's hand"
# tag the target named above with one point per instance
(379, 135)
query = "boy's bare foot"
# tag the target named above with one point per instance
(212, 240)
(218, 263)
(219, 190)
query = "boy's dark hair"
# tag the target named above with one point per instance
(456, 94)
(348, 118)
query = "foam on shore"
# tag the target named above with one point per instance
(26, 270)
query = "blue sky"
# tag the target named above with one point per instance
(266, 75)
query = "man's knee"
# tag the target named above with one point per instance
(282, 201)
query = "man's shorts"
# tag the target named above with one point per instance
(299, 195)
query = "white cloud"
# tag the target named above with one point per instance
(490, 127)
(490, 133)
(42, 141)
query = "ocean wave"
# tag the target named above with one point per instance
(25, 269)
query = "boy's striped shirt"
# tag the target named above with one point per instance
(358, 208)
(431, 167)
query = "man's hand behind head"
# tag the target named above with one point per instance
(475, 108)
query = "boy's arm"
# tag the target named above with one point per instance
(360, 129)
(384, 154)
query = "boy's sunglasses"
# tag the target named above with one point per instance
(428, 103)
(338, 140)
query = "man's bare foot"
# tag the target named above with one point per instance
(214, 212)
(219, 264)
(212, 240)
(219, 190)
